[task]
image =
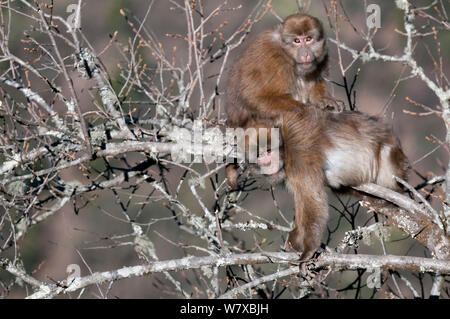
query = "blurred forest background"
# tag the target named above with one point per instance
(92, 230)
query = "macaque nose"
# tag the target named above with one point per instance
(305, 58)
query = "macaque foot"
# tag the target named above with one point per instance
(305, 262)
(307, 271)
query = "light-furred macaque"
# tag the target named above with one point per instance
(282, 70)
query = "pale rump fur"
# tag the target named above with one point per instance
(361, 152)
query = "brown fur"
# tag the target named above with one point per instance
(339, 150)
(335, 149)
(269, 86)
(267, 78)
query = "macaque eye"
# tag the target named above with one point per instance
(308, 39)
(297, 40)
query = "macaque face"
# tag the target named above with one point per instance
(302, 39)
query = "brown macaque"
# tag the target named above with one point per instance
(278, 82)
(281, 71)
(340, 150)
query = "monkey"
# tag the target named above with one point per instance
(278, 82)
(339, 150)
(282, 70)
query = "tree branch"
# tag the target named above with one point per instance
(331, 261)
